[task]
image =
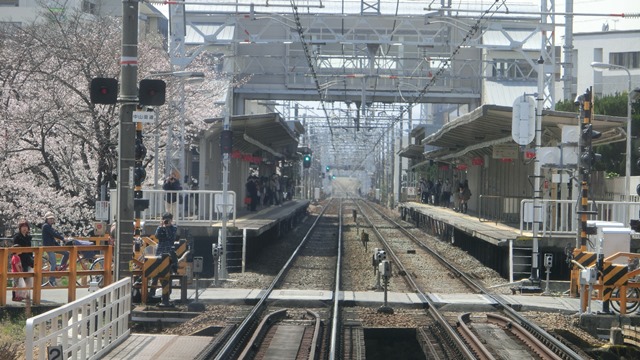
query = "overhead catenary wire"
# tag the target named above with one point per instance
(484, 17)
(305, 47)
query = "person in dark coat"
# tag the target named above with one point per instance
(166, 234)
(252, 192)
(172, 186)
(23, 239)
(50, 237)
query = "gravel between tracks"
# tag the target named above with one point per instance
(260, 274)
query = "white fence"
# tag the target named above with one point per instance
(84, 329)
(559, 217)
(189, 205)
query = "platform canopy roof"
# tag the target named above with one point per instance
(412, 151)
(267, 132)
(474, 133)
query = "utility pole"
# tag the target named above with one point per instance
(222, 236)
(128, 98)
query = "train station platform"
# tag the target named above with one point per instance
(436, 219)
(264, 219)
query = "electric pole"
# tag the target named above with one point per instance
(128, 98)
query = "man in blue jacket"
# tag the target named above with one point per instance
(50, 237)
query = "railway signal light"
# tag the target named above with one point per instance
(588, 157)
(103, 91)
(588, 134)
(152, 92)
(226, 141)
(306, 161)
(141, 150)
(139, 175)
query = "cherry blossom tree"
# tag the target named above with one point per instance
(58, 151)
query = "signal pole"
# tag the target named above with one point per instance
(128, 98)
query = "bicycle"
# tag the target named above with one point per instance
(85, 260)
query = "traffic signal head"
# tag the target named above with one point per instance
(589, 134)
(589, 158)
(103, 91)
(328, 167)
(152, 92)
(139, 175)
(226, 141)
(306, 161)
(140, 150)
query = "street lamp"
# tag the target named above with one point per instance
(627, 176)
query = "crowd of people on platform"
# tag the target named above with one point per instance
(266, 191)
(441, 193)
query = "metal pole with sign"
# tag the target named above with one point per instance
(197, 269)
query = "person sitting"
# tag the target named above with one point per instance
(50, 237)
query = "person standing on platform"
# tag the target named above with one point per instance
(275, 186)
(252, 193)
(172, 186)
(446, 194)
(50, 237)
(437, 190)
(424, 192)
(465, 195)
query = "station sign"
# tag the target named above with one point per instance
(144, 117)
(505, 151)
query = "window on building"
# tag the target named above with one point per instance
(9, 2)
(630, 60)
(511, 69)
(89, 7)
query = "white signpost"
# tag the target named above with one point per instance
(523, 125)
(144, 116)
(102, 210)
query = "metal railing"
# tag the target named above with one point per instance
(497, 208)
(189, 205)
(84, 329)
(73, 272)
(559, 217)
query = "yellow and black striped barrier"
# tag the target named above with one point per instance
(584, 259)
(613, 276)
(157, 267)
(181, 247)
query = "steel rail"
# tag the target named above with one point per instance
(335, 320)
(473, 341)
(463, 277)
(460, 344)
(227, 350)
(530, 326)
(525, 336)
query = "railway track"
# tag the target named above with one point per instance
(331, 258)
(523, 335)
(271, 336)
